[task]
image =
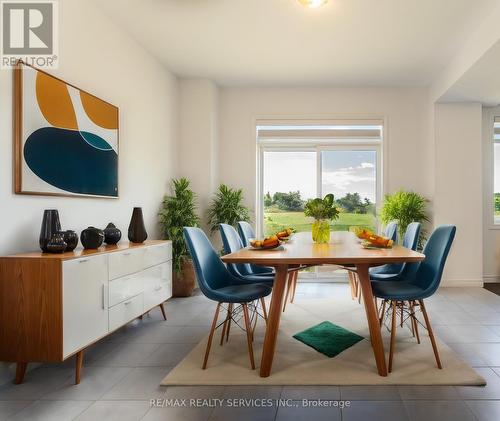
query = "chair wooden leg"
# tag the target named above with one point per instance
(162, 308)
(264, 309)
(402, 312)
(20, 372)
(255, 317)
(412, 324)
(381, 318)
(210, 337)
(248, 328)
(229, 321)
(288, 287)
(78, 367)
(224, 326)
(431, 333)
(393, 334)
(294, 284)
(414, 319)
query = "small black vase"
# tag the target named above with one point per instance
(92, 238)
(70, 238)
(136, 230)
(56, 244)
(112, 234)
(50, 226)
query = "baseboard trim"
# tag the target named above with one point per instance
(478, 283)
(491, 279)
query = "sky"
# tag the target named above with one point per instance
(342, 172)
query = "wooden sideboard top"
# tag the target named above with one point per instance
(79, 252)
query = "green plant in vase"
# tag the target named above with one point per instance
(179, 211)
(227, 208)
(323, 211)
(405, 207)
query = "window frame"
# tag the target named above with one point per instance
(318, 146)
(494, 221)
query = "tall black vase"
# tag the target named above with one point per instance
(50, 226)
(136, 230)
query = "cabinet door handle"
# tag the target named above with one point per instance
(127, 302)
(126, 254)
(83, 260)
(158, 288)
(102, 296)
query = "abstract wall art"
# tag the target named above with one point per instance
(65, 139)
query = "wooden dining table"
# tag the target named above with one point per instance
(344, 249)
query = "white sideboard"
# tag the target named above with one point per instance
(54, 306)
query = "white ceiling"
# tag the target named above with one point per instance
(279, 42)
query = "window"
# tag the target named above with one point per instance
(303, 161)
(496, 171)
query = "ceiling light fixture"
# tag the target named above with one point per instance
(313, 4)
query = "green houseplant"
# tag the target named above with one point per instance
(322, 210)
(178, 211)
(405, 207)
(226, 207)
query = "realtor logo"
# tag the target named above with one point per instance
(28, 33)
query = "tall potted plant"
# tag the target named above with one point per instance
(322, 210)
(178, 211)
(405, 207)
(227, 208)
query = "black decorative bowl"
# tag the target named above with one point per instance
(70, 238)
(112, 234)
(92, 238)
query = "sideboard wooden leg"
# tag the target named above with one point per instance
(20, 371)
(78, 368)
(162, 308)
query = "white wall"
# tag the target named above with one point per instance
(198, 114)
(404, 110)
(458, 197)
(97, 56)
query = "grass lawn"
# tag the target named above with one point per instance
(275, 221)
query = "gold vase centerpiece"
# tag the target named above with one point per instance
(323, 211)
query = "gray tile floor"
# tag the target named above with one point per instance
(122, 373)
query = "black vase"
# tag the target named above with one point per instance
(70, 238)
(50, 226)
(136, 230)
(56, 243)
(92, 238)
(112, 234)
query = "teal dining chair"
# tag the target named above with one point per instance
(391, 232)
(392, 272)
(418, 282)
(218, 285)
(232, 243)
(246, 232)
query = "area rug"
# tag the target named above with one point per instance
(298, 364)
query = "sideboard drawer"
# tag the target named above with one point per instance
(121, 289)
(123, 263)
(126, 311)
(157, 285)
(158, 254)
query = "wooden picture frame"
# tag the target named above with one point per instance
(66, 140)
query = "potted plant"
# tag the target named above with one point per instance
(178, 211)
(227, 208)
(322, 210)
(405, 207)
